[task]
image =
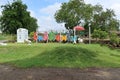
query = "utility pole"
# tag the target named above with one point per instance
(74, 36)
(89, 34)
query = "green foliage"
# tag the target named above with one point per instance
(99, 34)
(59, 55)
(31, 34)
(7, 37)
(70, 13)
(96, 34)
(103, 34)
(114, 39)
(14, 16)
(77, 12)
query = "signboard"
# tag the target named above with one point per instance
(22, 35)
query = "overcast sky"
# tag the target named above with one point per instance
(43, 10)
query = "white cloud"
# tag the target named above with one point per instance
(47, 21)
(90, 1)
(3, 2)
(32, 13)
(116, 8)
(51, 9)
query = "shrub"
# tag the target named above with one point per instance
(99, 34)
(96, 34)
(103, 35)
(114, 39)
(31, 34)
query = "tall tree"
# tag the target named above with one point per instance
(14, 16)
(77, 12)
(104, 19)
(71, 13)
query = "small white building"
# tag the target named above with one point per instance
(22, 35)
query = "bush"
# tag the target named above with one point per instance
(31, 34)
(8, 37)
(99, 34)
(115, 40)
(96, 34)
(103, 35)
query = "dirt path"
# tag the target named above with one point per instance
(12, 73)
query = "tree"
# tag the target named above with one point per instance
(104, 20)
(70, 13)
(14, 16)
(76, 12)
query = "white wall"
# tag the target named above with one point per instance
(22, 35)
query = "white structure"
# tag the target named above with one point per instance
(0, 31)
(22, 35)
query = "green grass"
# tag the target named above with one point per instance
(7, 37)
(59, 55)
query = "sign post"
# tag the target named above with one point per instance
(89, 34)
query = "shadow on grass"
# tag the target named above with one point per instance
(65, 56)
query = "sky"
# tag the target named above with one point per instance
(44, 10)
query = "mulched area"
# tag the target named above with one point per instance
(13, 73)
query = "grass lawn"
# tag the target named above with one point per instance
(6, 37)
(59, 55)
